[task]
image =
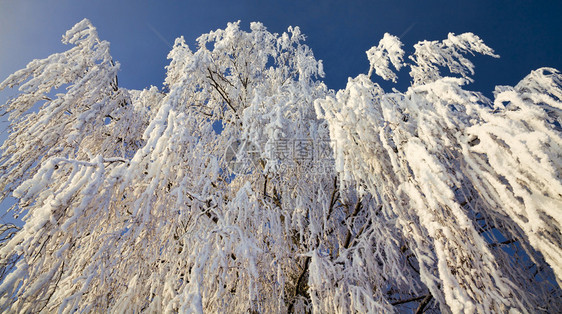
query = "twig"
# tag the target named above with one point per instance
(424, 303)
(408, 300)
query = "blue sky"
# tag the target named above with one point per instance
(526, 34)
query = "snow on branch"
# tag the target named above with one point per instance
(428, 57)
(388, 50)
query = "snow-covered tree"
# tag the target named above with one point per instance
(246, 185)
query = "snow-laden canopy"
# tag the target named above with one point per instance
(246, 185)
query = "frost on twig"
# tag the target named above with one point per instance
(428, 57)
(388, 50)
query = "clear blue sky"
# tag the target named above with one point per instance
(526, 34)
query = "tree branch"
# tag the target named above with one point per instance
(424, 303)
(347, 240)
(220, 90)
(300, 288)
(408, 300)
